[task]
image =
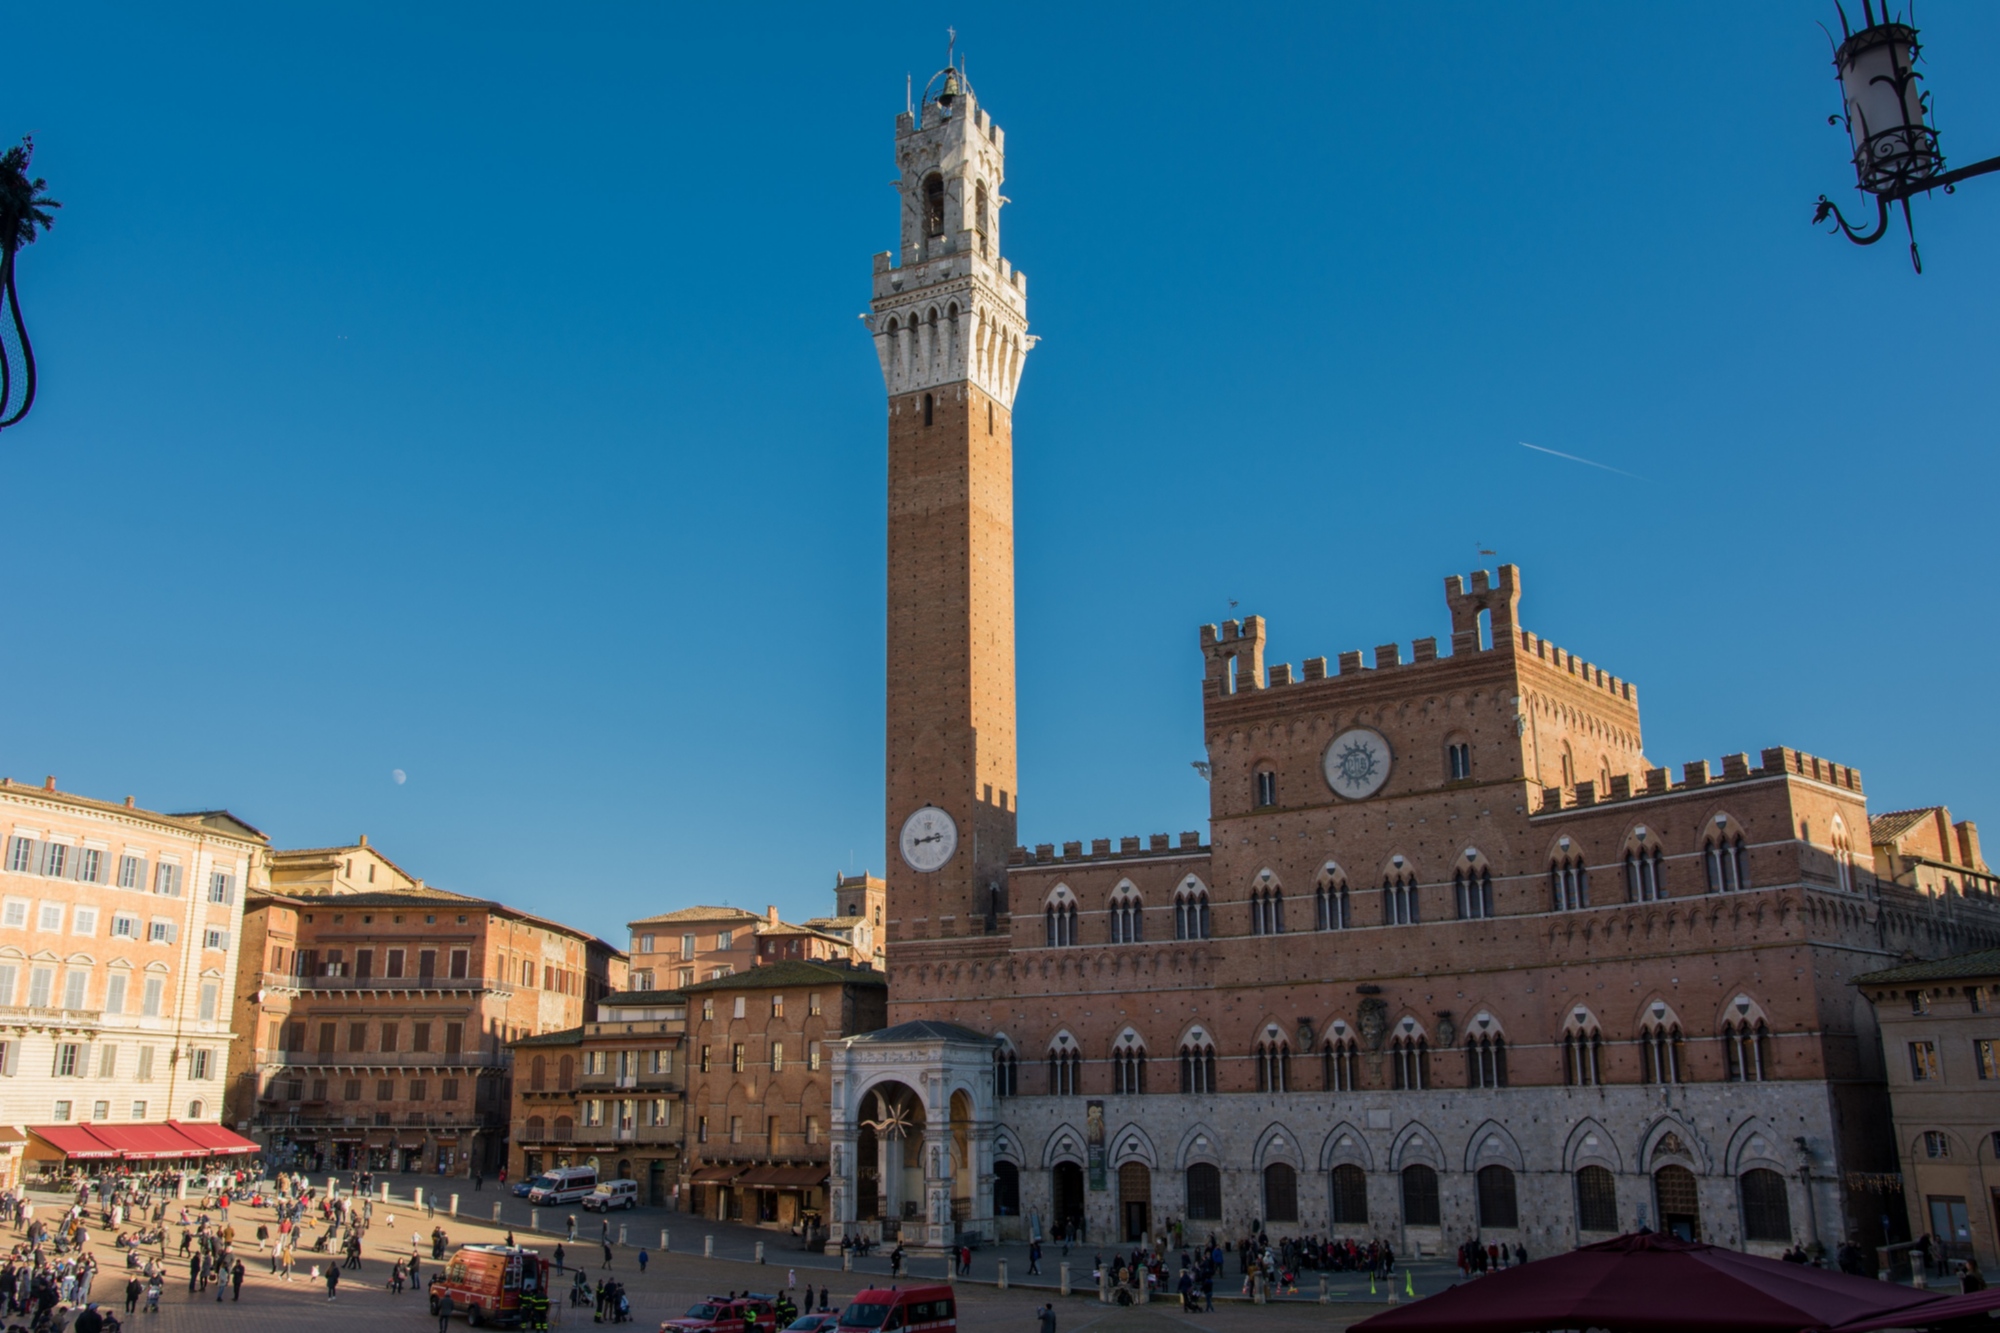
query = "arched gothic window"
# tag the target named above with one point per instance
(1746, 1048)
(1410, 1062)
(1065, 1070)
(1128, 1066)
(1274, 1066)
(1339, 1064)
(1569, 881)
(1486, 1061)
(1583, 1053)
(1191, 912)
(1473, 887)
(1843, 856)
(1645, 873)
(1728, 861)
(934, 205)
(1399, 898)
(1007, 1073)
(1660, 1052)
(1126, 917)
(1267, 910)
(1331, 909)
(979, 216)
(1458, 760)
(1198, 1066)
(1060, 919)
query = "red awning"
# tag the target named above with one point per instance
(216, 1140)
(784, 1177)
(75, 1142)
(148, 1143)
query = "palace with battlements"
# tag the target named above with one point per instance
(1456, 957)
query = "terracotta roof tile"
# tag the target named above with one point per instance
(1984, 963)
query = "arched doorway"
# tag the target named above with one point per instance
(1135, 1201)
(1679, 1202)
(896, 1128)
(1006, 1190)
(962, 1184)
(1066, 1208)
(867, 1175)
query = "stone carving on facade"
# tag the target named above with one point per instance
(1373, 1020)
(1447, 1029)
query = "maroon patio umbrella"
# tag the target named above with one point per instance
(1650, 1283)
(1928, 1314)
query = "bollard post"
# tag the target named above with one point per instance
(1323, 1297)
(1103, 1287)
(1065, 1279)
(454, 1205)
(385, 1191)
(759, 1256)
(665, 1246)
(1002, 1270)
(496, 1210)
(621, 1233)
(847, 1261)
(534, 1219)
(1258, 1294)
(417, 1197)
(708, 1247)
(332, 1186)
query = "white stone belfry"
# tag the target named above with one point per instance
(950, 308)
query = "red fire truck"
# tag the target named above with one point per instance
(486, 1282)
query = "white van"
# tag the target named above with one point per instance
(565, 1184)
(613, 1194)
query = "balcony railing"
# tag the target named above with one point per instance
(287, 981)
(382, 1060)
(470, 1120)
(628, 1083)
(646, 1135)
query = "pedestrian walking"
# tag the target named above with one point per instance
(1047, 1317)
(236, 1281)
(444, 1312)
(332, 1280)
(642, 1261)
(607, 1254)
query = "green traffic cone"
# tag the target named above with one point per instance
(1409, 1287)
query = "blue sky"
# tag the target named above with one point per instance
(477, 391)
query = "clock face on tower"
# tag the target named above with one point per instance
(1357, 763)
(929, 838)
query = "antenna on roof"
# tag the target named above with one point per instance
(909, 106)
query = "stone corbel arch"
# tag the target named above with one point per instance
(1591, 1144)
(1132, 1144)
(1345, 1143)
(1277, 1143)
(1756, 1144)
(1493, 1145)
(1199, 1144)
(1657, 1150)
(1065, 1143)
(1415, 1142)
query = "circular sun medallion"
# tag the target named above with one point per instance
(1357, 763)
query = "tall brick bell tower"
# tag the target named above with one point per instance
(949, 317)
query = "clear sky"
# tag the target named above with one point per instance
(476, 391)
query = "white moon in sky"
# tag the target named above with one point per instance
(400, 776)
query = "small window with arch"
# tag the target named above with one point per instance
(1458, 760)
(1267, 788)
(934, 205)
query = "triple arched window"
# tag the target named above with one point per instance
(1340, 1064)
(1410, 1062)
(1331, 910)
(1126, 917)
(1661, 1057)
(1645, 874)
(1473, 888)
(1197, 1066)
(1128, 1066)
(1065, 1071)
(1583, 1055)
(1746, 1049)
(1191, 912)
(1060, 919)
(1728, 861)
(1399, 898)
(1267, 910)
(1006, 1073)
(1486, 1061)
(1274, 1065)
(1569, 881)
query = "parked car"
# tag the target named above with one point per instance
(564, 1184)
(612, 1194)
(817, 1322)
(521, 1187)
(719, 1314)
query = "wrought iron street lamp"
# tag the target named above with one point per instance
(1887, 115)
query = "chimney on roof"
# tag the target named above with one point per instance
(362, 840)
(128, 802)
(771, 914)
(49, 782)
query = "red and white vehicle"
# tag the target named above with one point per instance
(720, 1314)
(915, 1310)
(486, 1282)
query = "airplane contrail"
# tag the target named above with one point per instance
(1585, 461)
